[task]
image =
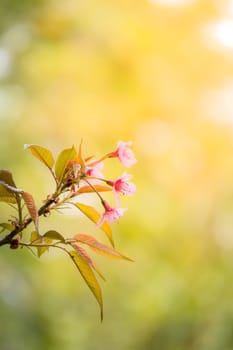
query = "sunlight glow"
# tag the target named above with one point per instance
(221, 32)
(171, 2)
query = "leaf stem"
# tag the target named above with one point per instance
(54, 176)
(40, 245)
(88, 182)
(18, 200)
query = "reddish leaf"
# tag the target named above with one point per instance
(86, 257)
(99, 247)
(94, 216)
(30, 204)
(88, 276)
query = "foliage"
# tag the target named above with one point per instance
(74, 175)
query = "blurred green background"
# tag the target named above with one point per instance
(159, 73)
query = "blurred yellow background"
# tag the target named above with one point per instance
(159, 73)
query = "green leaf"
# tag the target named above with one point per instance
(41, 153)
(6, 227)
(6, 195)
(54, 235)
(62, 161)
(8, 189)
(6, 176)
(31, 206)
(11, 189)
(88, 276)
(94, 216)
(99, 247)
(37, 239)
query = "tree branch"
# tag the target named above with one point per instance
(8, 238)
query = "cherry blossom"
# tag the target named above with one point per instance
(111, 214)
(124, 153)
(95, 170)
(121, 185)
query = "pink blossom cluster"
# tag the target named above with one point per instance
(121, 185)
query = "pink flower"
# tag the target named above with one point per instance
(121, 185)
(110, 214)
(124, 153)
(95, 170)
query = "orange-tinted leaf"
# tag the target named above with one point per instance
(88, 276)
(94, 216)
(30, 204)
(89, 158)
(99, 247)
(98, 188)
(61, 164)
(41, 153)
(79, 158)
(54, 235)
(88, 259)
